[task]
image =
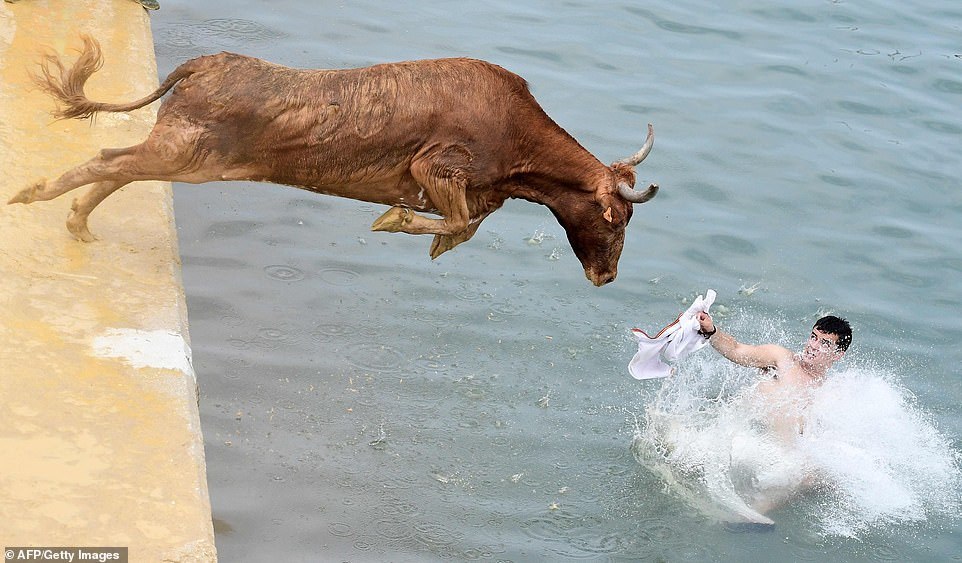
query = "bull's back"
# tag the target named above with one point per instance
(312, 127)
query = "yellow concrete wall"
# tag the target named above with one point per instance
(100, 441)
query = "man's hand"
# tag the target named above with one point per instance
(706, 323)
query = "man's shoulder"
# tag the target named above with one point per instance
(777, 355)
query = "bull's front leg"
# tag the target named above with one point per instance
(395, 218)
(404, 220)
(444, 243)
(446, 186)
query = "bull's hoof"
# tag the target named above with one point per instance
(77, 225)
(28, 194)
(81, 232)
(393, 220)
(442, 244)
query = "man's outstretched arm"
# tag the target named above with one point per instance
(761, 356)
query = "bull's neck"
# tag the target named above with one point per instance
(554, 171)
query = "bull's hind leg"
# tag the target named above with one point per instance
(105, 166)
(108, 171)
(83, 205)
(158, 158)
(445, 183)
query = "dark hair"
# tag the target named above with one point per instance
(837, 326)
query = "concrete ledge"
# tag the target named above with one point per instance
(100, 441)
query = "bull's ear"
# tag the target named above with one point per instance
(611, 207)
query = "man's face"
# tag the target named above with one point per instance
(821, 350)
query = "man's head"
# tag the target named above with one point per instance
(837, 326)
(831, 336)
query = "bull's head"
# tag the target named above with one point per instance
(596, 228)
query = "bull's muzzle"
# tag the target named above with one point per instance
(600, 279)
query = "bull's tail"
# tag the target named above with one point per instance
(67, 85)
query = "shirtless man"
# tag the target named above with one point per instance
(794, 376)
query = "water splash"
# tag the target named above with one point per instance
(869, 457)
(539, 237)
(881, 455)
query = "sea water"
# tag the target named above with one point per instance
(362, 402)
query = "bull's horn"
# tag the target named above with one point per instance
(635, 196)
(635, 159)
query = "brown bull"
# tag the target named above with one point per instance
(453, 137)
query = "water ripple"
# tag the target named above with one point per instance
(328, 332)
(434, 534)
(338, 276)
(274, 334)
(658, 530)
(506, 308)
(607, 543)
(189, 39)
(340, 529)
(555, 526)
(235, 368)
(948, 86)
(374, 357)
(466, 293)
(364, 543)
(393, 530)
(237, 29)
(400, 508)
(432, 318)
(284, 273)
(431, 364)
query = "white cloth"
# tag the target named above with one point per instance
(672, 343)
